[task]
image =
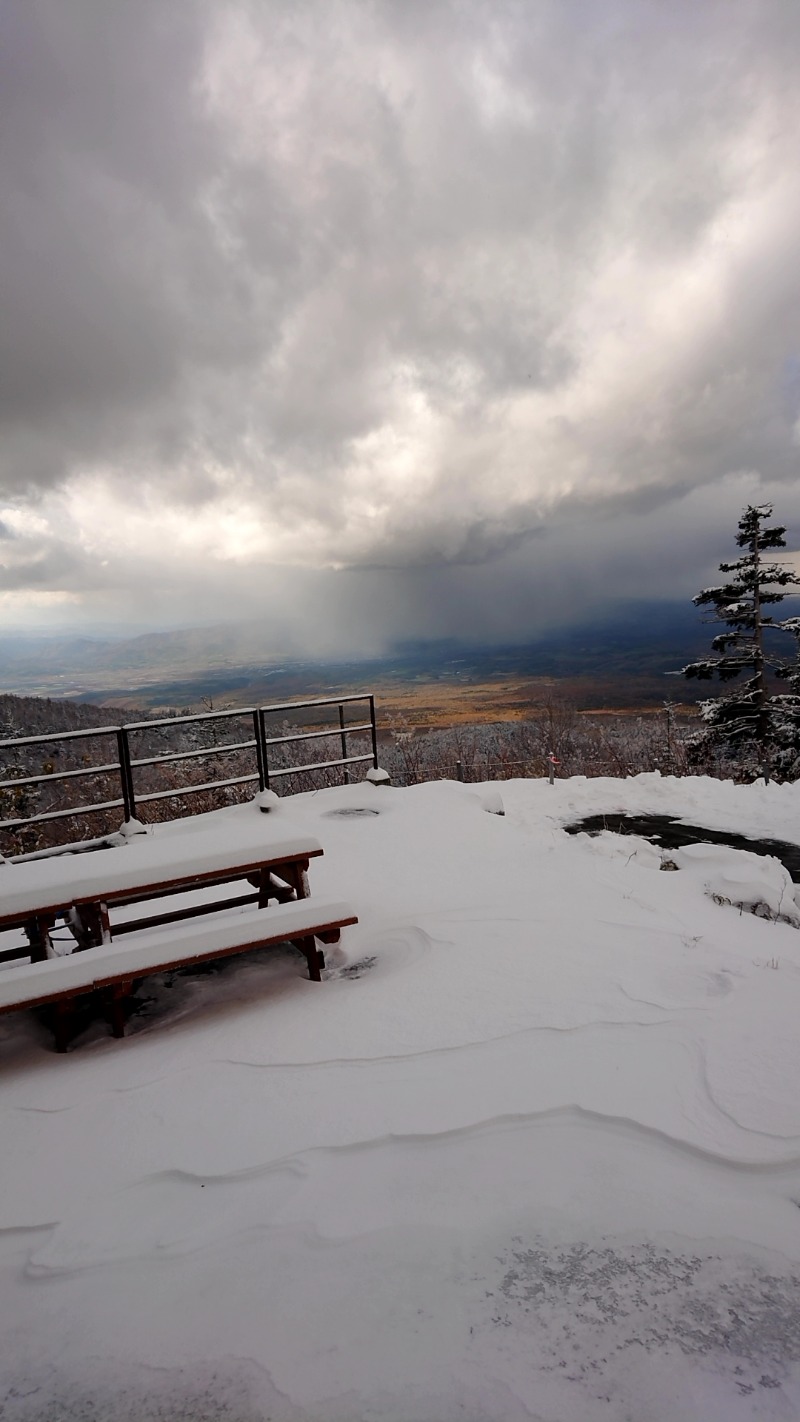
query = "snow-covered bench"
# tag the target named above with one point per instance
(113, 968)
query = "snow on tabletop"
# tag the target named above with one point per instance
(531, 1150)
(166, 852)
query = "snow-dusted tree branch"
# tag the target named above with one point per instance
(750, 723)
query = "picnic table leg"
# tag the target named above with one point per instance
(314, 957)
(79, 929)
(116, 1003)
(266, 889)
(297, 876)
(105, 924)
(85, 926)
(60, 1021)
(37, 932)
(270, 886)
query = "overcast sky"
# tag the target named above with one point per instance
(392, 317)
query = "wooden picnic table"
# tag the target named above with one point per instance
(82, 889)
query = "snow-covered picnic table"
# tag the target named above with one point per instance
(152, 868)
(148, 867)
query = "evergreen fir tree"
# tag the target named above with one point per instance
(750, 725)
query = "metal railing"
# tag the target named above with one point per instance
(257, 746)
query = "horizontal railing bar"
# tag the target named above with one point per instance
(187, 720)
(242, 711)
(59, 775)
(62, 814)
(73, 846)
(195, 789)
(178, 720)
(195, 754)
(58, 736)
(322, 701)
(321, 765)
(313, 735)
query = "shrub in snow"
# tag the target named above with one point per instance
(492, 802)
(751, 883)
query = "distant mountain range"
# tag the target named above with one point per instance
(633, 647)
(193, 648)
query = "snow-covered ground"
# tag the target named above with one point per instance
(531, 1150)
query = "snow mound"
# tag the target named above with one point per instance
(752, 883)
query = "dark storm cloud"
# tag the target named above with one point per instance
(113, 283)
(390, 285)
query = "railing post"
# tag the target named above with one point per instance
(126, 774)
(343, 739)
(258, 728)
(262, 740)
(374, 732)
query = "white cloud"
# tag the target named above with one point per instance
(389, 286)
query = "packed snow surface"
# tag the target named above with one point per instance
(530, 1150)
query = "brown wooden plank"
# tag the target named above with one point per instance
(262, 941)
(164, 888)
(182, 883)
(186, 960)
(154, 920)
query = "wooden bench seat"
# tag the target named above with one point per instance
(113, 968)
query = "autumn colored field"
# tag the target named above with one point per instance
(438, 704)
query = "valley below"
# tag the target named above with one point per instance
(628, 661)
